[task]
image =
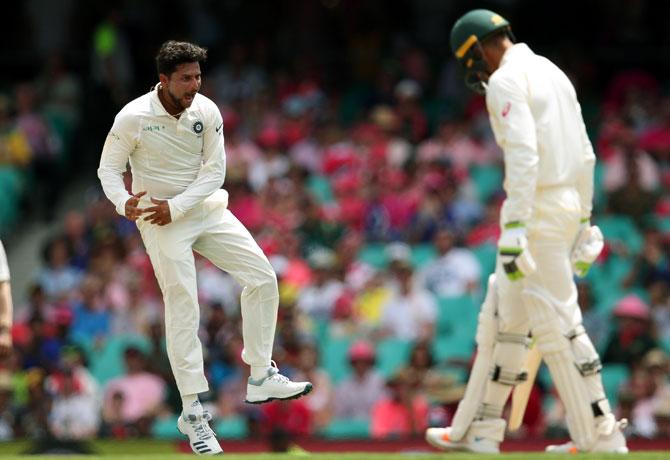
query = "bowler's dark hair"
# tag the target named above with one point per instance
(172, 53)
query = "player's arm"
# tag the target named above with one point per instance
(6, 308)
(514, 128)
(213, 171)
(585, 179)
(120, 143)
(590, 241)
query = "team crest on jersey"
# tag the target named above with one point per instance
(197, 127)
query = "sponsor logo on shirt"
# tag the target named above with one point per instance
(506, 109)
(152, 128)
(198, 127)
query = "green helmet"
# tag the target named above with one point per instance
(472, 28)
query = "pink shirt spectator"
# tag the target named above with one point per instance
(142, 393)
(391, 418)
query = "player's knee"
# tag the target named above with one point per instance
(509, 355)
(586, 356)
(486, 331)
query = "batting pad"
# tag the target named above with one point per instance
(487, 328)
(560, 360)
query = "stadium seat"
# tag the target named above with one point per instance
(665, 344)
(457, 346)
(487, 180)
(166, 428)
(374, 255)
(614, 375)
(422, 254)
(234, 427)
(334, 358)
(347, 429)
(392, 354)
(457, 315)
(621, 229)
(486, 256)
(107, 363)
(319, 187)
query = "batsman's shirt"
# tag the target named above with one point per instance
(181, 160)
(537, 121)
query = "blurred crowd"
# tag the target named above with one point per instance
(378, 206)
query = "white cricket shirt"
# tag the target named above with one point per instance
(181, 160)
(537, 121)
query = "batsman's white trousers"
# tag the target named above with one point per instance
(551, 233)
(214, 232)
(545, 302)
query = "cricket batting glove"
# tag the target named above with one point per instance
(513, 251)
(587, 248)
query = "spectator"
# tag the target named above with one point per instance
(401, 414)
(320, 401)
(358, 393)
(135, 395)
(455, 272)
(595, 322)
(14, 146)
(46, 149)
(631, 198)
(318, 298)
(75, 414)
(58, 279)
(410, 314)
(631, 339)
(92, 318)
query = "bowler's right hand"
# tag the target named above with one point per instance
(132, 211)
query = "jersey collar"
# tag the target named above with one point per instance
(157, 105)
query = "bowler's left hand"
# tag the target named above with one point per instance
(159, 214)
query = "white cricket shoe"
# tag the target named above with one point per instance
(440, 438)
(611, 441)
(201, 437)
(275, 387)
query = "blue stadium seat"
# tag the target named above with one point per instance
(234, 427)
(457, 346)
(487, 180)
(374, 254)
(457, 315)
(334, 357)
(392, 354)
(614, 375)
(319, 187)
(166, 428)
(107, 363)
(347, 429)
(486, 256)
(621, 229)
(422, 254)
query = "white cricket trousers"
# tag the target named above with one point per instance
(545, 302)
(213, 231)
(551, 234)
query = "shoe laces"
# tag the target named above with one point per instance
(277, 377)
(201, 425)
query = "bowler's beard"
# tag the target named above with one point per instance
(177, 103)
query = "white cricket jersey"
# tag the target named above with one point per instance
(182, 160)
(4, 267)
(537, 121)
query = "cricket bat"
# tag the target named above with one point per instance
(522, 391)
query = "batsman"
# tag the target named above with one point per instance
(546, 236)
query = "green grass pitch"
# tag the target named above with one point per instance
(153, 450)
